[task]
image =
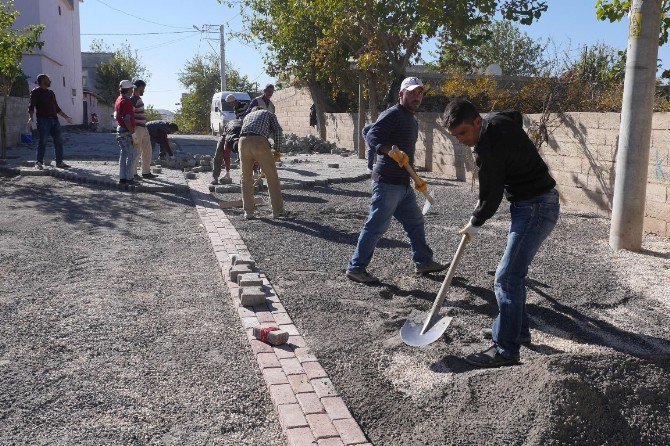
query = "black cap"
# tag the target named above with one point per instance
(139, 83)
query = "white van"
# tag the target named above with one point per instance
(221, 112)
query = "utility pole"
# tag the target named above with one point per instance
(222, 59)
(632, 162)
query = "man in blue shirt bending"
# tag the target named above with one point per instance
(392, 195)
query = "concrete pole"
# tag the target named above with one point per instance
(222, 66)
(360, 143)
(632, 162)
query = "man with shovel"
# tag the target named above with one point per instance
(508, 162)
(392, 195)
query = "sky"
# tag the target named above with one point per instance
(570, 24)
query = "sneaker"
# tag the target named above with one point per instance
(283, 215)
(431, 267)
(122, 181)
(249, 216)
(362, 277)
(63, 166)
(39, 166)
(149, 175)
(215, 181)
(137, 177)
(490, 358)
(487, 333)
(227, 175)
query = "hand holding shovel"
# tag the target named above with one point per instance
(419, 184)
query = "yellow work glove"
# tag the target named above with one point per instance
(277, 155)
(399, 157)
(421, 187)
(469, 231)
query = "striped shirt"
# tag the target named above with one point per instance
(140, 114)
(263, 123)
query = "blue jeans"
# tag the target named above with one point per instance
(532, 222)
(127, 154)
(390, 200)
(46, 127)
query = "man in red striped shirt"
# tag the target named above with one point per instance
(141, 133)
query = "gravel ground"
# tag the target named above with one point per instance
(598, 371)
(114, 326)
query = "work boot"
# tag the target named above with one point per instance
(215, 181)
(39, 166)
(227, 175)
(149, 175)
(431, 267)
(490, 358)
(362, 277)
(62, 165)
(487, 333)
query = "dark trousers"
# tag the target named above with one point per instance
(46, 127)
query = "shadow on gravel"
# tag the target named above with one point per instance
(302, 198)
(338, 191)
(329, 233)
(302, 172)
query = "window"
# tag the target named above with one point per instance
(63, 81)
(59, 13)
(74, 92)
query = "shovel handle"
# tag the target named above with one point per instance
(417, 179)
(446, 283)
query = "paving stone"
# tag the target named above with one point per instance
(265, 317)
(314, 370)
(236, 270)
(157, 170)
(291, 329)
(330, 442)
(300, 384)
(282, 394)
(297, 341)
(190, 176)
(334, 165)
(335, 407)
(284, 351)
(277, 308)
(349, 431)
(251, 296)
(225, 180)
(300, 436)
(275, 337)
(274, 376)
(321, 426)
(309, 402)
(323, 387)
(281, 318)
(204, 162)
(249, 279)
(291, 416)
(267, 360)
(292, 366)
(304, 354)
(196, 169)
(227, 204)
(28, 164)
(260, 347)
(244, 260)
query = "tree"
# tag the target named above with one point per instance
(515, 52)
(202, 77)
(615, 10)
(125, 64)
(13, 43)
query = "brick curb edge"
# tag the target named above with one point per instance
(309, 408)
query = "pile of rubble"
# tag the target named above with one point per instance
(294, 144)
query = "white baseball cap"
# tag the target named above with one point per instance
(231, 98)
(410, 83)
(125, 84)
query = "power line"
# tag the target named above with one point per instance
(140, 18)
(136, 34)
(164, 43)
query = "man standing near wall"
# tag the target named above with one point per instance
(124, 113)
(392, 195)
(509, 163)
(43, 100)
(143, 149)
(263, 101)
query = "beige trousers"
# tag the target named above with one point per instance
(143, 150)
(257, 148)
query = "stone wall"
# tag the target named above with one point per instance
(17, 119)
(581, 154)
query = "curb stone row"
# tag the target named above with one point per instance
(310, 409)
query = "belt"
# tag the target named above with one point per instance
(398, 181)
(249, 134)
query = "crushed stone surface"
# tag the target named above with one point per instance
(597, 371)
(115, 328)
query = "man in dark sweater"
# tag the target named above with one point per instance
(158, 134)
(392, 195)
(43, 100)
(508, 163)
(227, 143)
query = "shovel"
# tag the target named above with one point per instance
(425, 328)
(417, 180)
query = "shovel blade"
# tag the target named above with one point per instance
(427, 204)
(412, 332)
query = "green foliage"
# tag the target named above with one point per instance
(152, 114)
(202, 77)
(615, 10)
(13, 44)
(505, 45)
(125, 64)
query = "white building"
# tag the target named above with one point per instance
(60, 57)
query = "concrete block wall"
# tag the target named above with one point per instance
(581, 153)
(17, 119)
